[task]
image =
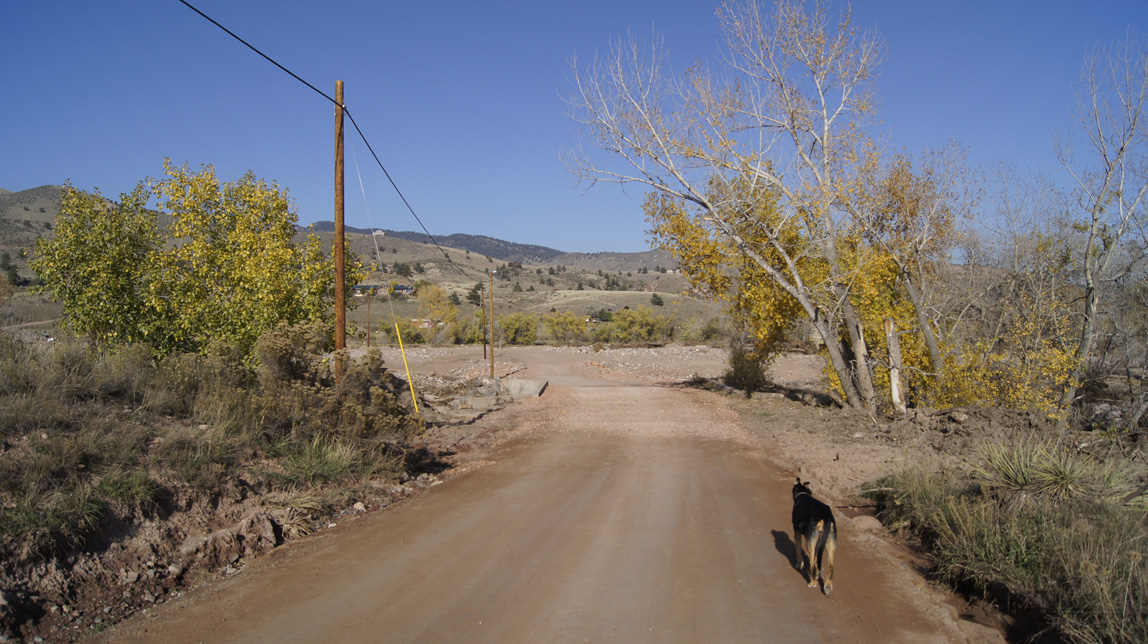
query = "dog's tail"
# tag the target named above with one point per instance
(826, 549)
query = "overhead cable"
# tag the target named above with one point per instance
(345, 111)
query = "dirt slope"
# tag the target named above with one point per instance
(618, 511)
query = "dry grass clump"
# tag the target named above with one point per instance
(1047, 469)
(1037, 527)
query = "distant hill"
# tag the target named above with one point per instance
(481, 244)
(506, 251)
(29, 214)
(35, 205)
(25, 216)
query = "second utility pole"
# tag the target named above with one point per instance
(340, 282)
(491, 325)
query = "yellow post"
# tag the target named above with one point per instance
(410, 383)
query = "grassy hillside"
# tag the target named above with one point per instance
(506, 251)
(25, 216)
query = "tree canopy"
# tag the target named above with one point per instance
(185, 260)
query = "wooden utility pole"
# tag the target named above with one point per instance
(340, 281)
(491, 325)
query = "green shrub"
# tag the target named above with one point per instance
(519, 328)
(633, 326)
(124, 373)
(48, 522)
(202, 459)
(410, 334)
(19, 368)
(132, 489)
(745, 370)
(1045, 468)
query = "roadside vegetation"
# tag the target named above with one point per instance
(1051, 533)
(99, 441)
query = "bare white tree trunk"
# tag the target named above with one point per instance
(895, 386)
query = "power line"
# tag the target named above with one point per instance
(252, 48)
(345, 111)
(388, 175)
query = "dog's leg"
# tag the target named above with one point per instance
(811, 551)
(828, 550)
(799, 554)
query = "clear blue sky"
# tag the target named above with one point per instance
(462, 100)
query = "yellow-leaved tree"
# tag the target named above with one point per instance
(211, 261)
(753, 170)
(435, 305)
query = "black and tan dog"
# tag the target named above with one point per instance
(815, 535)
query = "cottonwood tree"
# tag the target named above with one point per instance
(565, 326)
(1107, 156)
(759, 162)
(225, 268)
(435, 305)
(912, 209)
(98, 264)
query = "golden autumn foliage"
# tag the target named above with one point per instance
(565, 326)
(878, 295)
(435, 305)
(1025, 367)
(715, 266)
(226, 267)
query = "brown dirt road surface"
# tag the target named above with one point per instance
(615, 510)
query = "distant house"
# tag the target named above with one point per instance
(402, 289)
(515, 265)
(366, 289)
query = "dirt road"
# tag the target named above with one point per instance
(618, 512)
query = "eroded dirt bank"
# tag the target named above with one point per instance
(620, 507)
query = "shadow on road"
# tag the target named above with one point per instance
(783, 544)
